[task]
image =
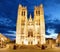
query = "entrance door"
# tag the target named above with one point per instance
(30, 33)
(30, 43)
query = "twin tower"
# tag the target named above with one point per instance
(30, 31)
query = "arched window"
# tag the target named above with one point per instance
(23, 13)
(30, 33)
(38, 12)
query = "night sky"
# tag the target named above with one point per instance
(8, 16)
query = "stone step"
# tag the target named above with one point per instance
(29, 47)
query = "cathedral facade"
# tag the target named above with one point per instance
(30, 31)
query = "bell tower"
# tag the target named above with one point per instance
(39, 23)
(37, 34)
(21, 24)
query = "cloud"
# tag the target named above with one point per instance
(6, 21)
(13, 32)
(10, 34)
(52, 24)
(52, 33)
(7, 26)
(8, 17)
(54, 36)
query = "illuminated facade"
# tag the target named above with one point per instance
(30, 31)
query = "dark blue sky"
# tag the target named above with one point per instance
(8, 15)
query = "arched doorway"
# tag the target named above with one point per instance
(30, 43)
(30, 37)
(30, 33)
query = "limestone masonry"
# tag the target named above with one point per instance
(30, 31)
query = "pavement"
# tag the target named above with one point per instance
(7, 47)
(30, 49)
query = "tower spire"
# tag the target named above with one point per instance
(41, 5)
(30, 18)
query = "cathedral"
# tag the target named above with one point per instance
(30, 31)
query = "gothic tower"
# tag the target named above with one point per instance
(39, 23)
(32, 31)
(21, 24)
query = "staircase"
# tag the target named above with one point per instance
(29, 47)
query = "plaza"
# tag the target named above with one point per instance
(30, 50)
